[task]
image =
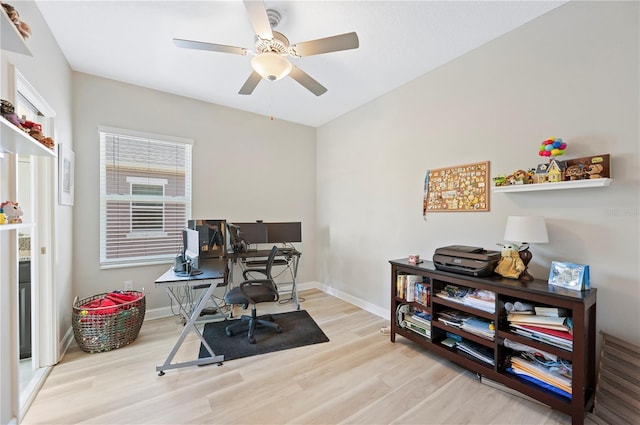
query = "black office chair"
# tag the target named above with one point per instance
(264, 267)
(252, 292)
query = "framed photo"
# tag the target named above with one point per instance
(66, 170)
(570, 276)
(462, 188)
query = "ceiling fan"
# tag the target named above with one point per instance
(272, 48)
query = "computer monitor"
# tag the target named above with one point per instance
(252, 233)
(284, 232)
(191, 244)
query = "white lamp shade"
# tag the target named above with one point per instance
(271, 66)
(529, 229)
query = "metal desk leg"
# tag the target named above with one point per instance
(191, 326)
(294, 288)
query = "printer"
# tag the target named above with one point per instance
(469, 260)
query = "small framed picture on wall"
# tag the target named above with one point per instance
(65, 175)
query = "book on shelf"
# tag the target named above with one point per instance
(551, 311)
(559, 323)
(453, 317)
(543, 336)
(480, 327)
(557, 374)
(481, 299)
(566, 335)
(477, 298)
(406, 286)
(422, 293)
(539, 383)
(411, 280)
(418, 328)
(476, 350)
(401, 285)
(424, 315)
(420, 321)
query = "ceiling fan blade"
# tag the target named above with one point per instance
(326, 45)
(306, 81)
(259, 19)
(251, 83)
(201, 45)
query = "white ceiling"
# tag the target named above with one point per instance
(131, 41)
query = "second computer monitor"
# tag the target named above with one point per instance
(284, 232)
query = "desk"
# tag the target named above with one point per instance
(286, 257)
(213, 275)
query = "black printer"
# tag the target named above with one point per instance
(469, 260)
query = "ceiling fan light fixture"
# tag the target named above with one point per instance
(271, 66)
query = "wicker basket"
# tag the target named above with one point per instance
(107, 328)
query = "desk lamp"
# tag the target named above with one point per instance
(524, 230)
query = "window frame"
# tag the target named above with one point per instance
(181, 202)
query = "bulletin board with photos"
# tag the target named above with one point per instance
(458, 188)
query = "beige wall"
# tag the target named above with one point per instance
(245, 167)
(572, 73)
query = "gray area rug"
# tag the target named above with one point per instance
(298, 329)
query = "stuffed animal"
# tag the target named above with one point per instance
(594, 171)
(36, 134)
(48, 142)
(14, 16)
(510, 264)
(9, 113)
(12, 211)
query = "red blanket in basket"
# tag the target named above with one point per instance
(113, 300)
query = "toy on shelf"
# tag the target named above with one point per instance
(22, 27)
(552, 147)
(9, 113)
(32, 128)
(12, 211)
(510, 265)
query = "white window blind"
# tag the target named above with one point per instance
(145, 196)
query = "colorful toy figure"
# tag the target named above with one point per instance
(12, 211)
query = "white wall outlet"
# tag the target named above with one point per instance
(128, 285)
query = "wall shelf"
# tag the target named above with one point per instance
(11, 38)
(16, 226)
(13, 140)
(576, 184)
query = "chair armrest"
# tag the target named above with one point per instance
(247, 271)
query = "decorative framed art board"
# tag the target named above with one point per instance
(462, 188)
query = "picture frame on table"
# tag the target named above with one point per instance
(569, 275)
(66, 174)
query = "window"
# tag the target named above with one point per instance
(145, 196)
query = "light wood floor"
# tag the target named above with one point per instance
(359, 377)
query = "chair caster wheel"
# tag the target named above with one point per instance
(161, 373)
(279, 330)
(252, 340)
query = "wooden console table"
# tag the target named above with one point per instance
(581, 307)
